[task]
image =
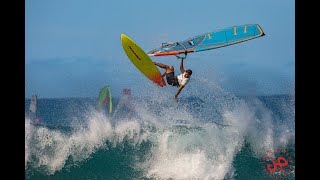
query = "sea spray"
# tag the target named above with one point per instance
(149, 144)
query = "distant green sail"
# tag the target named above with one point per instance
(104, 98)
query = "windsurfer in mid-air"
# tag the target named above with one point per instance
(181, 80)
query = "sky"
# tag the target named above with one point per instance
(73, 47)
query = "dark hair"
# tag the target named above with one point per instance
(189, 71)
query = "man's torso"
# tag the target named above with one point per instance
(183, 80)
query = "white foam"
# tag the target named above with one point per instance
(28, 133)
(50, 149)
(206, 155)
(127, 129)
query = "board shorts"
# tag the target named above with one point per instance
(172, 79)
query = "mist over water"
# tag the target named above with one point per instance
(143, 138)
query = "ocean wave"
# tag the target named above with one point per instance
(198, 149)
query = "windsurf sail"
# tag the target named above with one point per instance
(33, 109)
(213, 40)
(105, 99)
(127, 98)
(125, 108)
(126, 91)
(33, 104)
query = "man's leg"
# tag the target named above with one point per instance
(169, 69)
(161, 65)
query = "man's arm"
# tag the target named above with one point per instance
(181, 66)
(179, 90)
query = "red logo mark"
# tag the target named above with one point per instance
(277, 164)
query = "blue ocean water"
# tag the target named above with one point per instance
(147, 137)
